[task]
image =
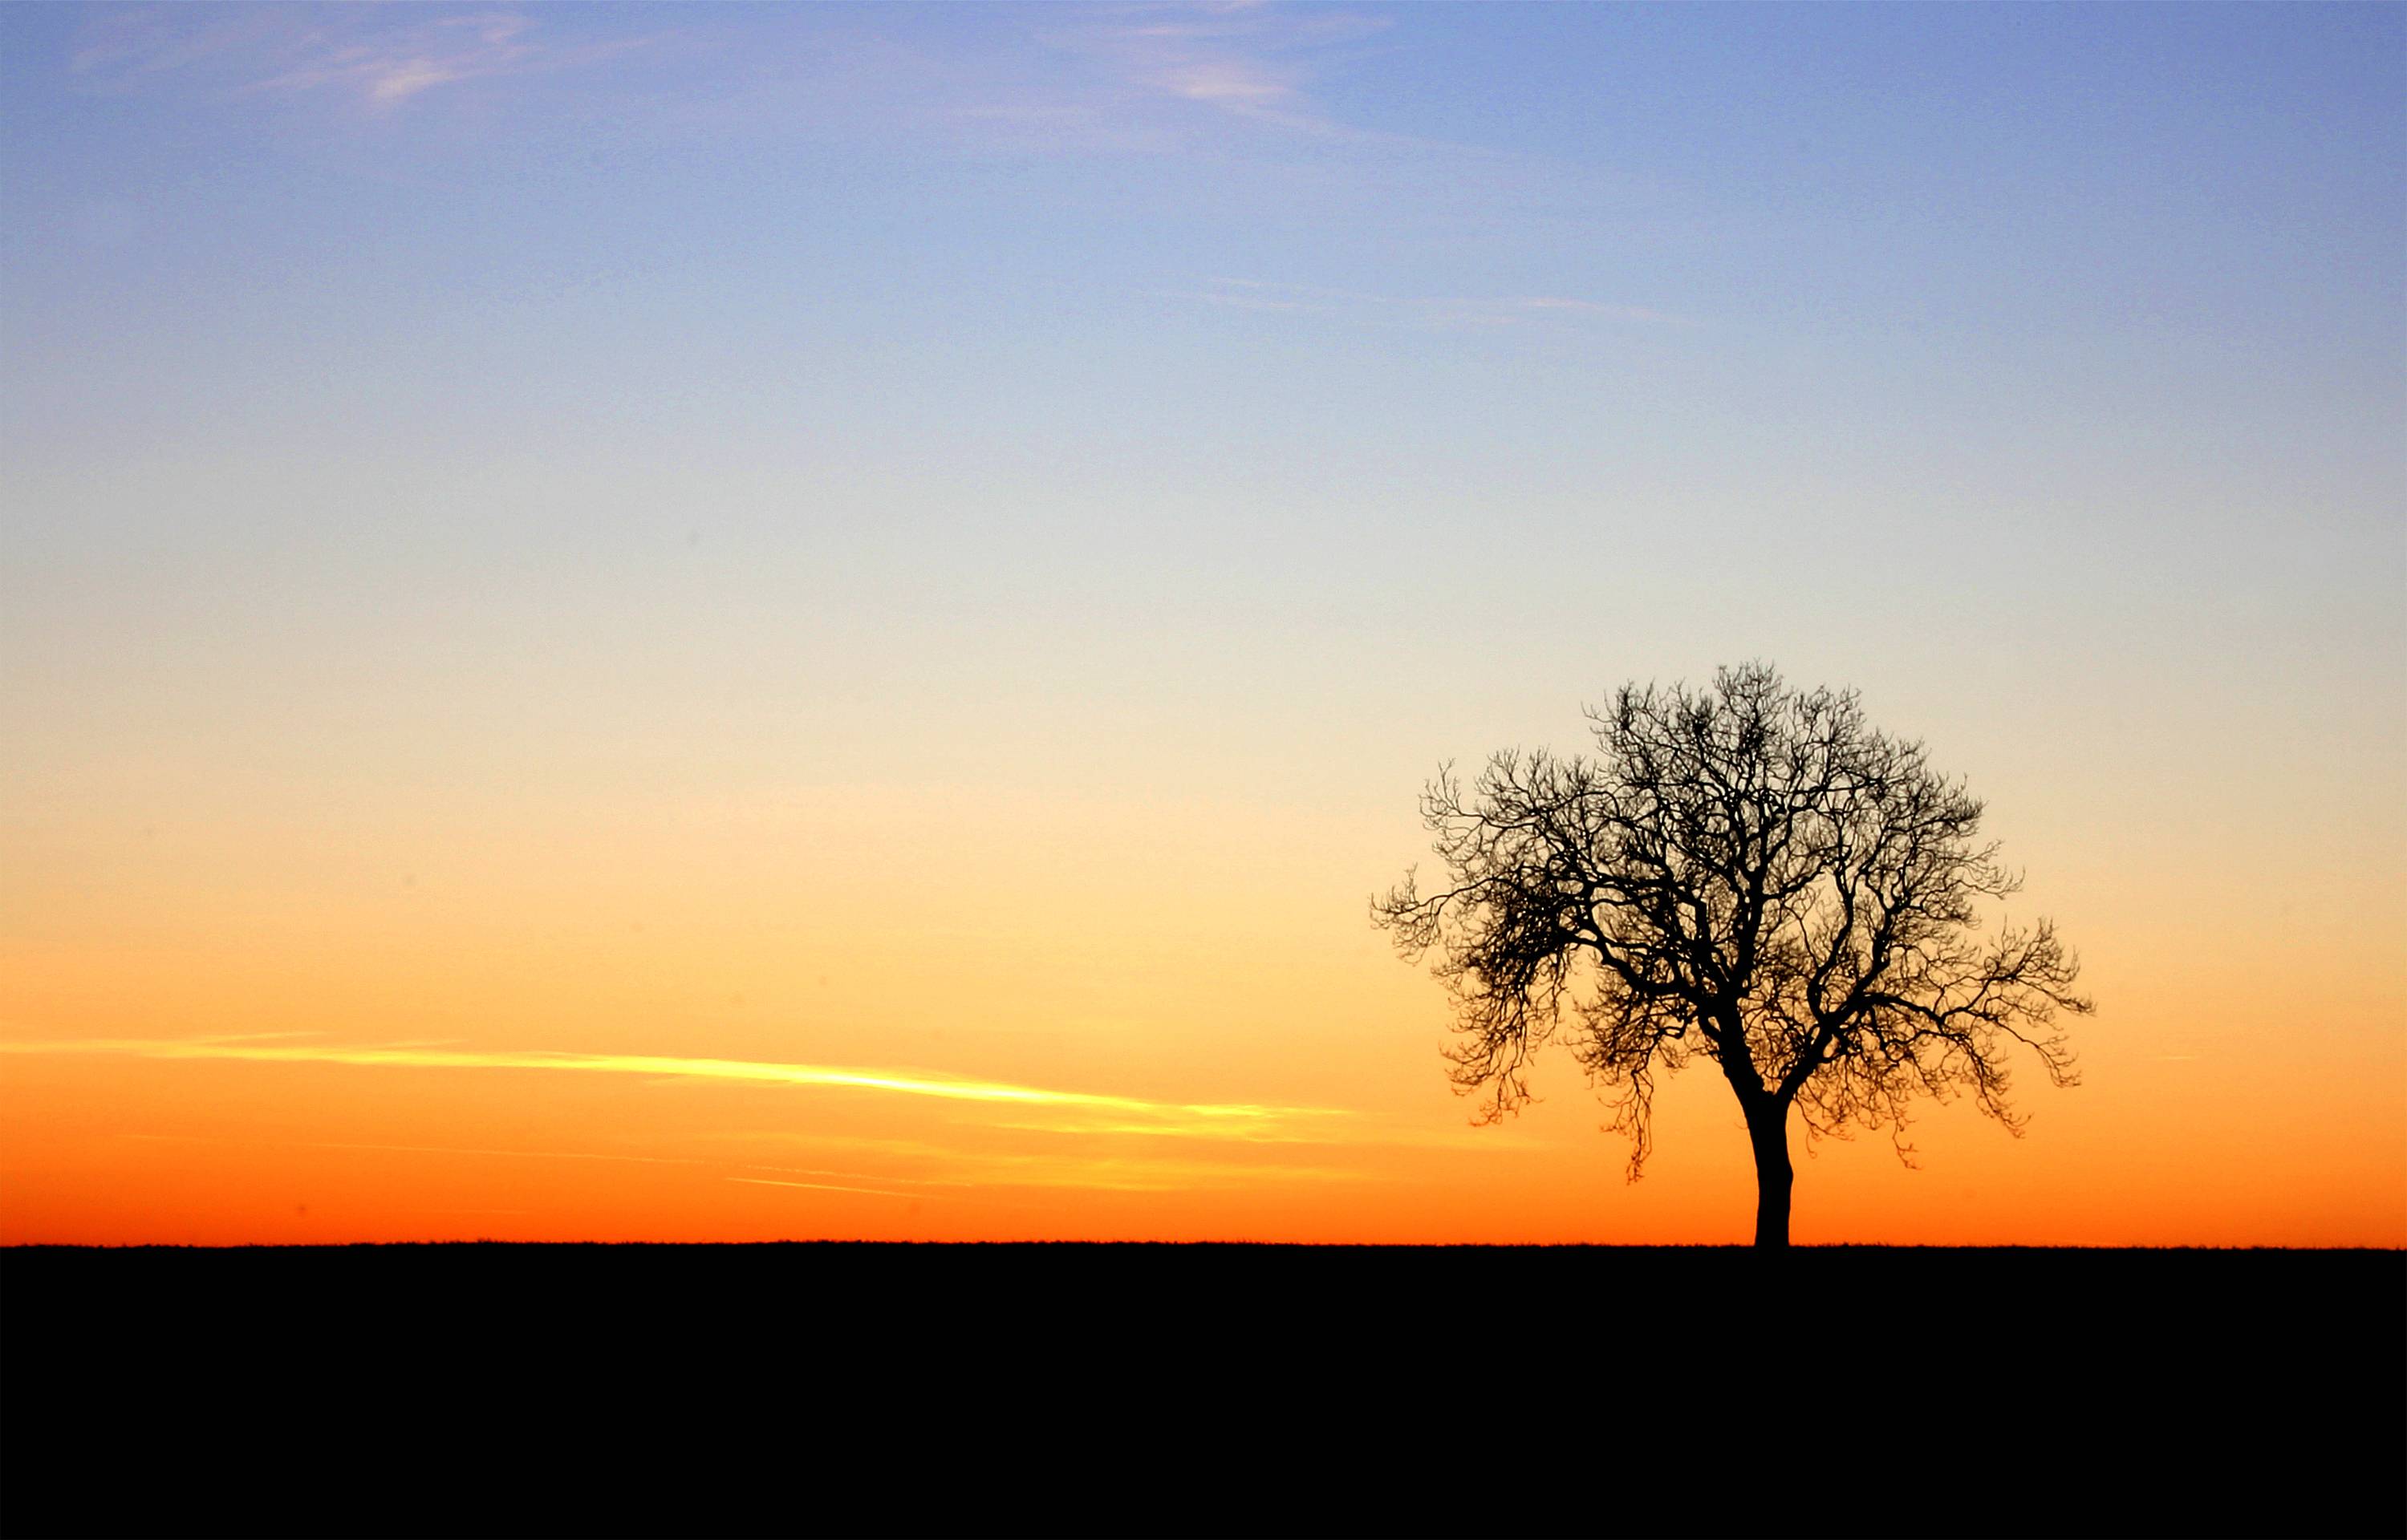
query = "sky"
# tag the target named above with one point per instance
(728, 623)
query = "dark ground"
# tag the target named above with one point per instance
(802, 1389)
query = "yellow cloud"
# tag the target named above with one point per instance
(1228, 1119)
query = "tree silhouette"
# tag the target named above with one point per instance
(1748, 871)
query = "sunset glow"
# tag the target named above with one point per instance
(697, 623)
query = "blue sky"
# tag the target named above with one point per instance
(949, 537)
(1150, 388)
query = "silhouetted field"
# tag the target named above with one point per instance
(847, 1388)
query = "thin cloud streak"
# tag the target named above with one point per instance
(981, 1171)
(1354, 1136)
(990, 1168)
(855, 1176)
(381, 58)
(830, 1187)
(1232, 1119)
(1244, 64)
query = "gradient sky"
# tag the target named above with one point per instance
(771, 621)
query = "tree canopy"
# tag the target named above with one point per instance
(1748, 871)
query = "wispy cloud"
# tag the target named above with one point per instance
(940, 1171)
(376, 56)
(824, 1187)
(1222, 1120)
(943, 1164)
(1254, 62)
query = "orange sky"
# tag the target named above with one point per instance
(875, 1013)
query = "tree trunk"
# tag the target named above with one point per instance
(1768, 1131)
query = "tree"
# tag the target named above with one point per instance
(1748, 871)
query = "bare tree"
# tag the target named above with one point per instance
(1748, 871)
